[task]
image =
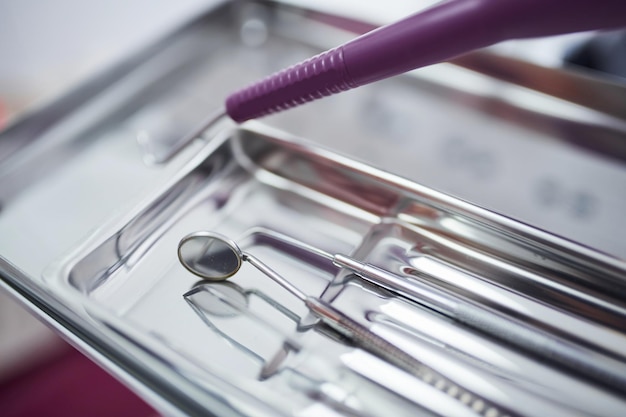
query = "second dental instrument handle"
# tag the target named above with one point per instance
(441, 32)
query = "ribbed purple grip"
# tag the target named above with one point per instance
(317, 77)
(442, 31)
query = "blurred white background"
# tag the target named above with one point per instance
(46, 46)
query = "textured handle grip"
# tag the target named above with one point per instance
(317, 77)
(445, 30)
(378, 346)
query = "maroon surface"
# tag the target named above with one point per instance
(69, 385)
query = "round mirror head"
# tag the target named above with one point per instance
(210, 255)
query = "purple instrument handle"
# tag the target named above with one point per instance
(441, 32)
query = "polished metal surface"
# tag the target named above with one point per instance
(246, 183)
(215, 257)
(383, 204)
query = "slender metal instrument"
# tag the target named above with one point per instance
(215, 257)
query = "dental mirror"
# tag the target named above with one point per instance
(210, 255)
(215, 258)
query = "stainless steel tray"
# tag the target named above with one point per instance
(253, 184)
(97, 190)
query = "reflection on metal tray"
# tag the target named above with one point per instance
(488, 303)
